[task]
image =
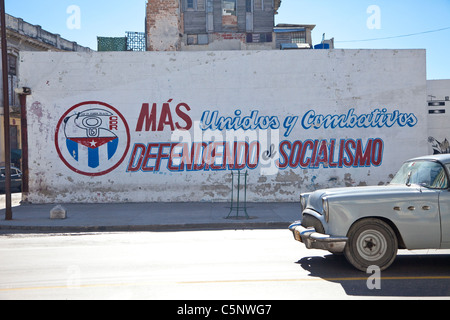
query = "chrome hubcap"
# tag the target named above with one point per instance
(371, 245)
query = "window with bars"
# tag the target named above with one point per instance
(12, 79)
(248, 6)
(259, 37)
(298, 37)
(12, 65)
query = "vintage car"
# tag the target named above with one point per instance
(369, 224)
(16, 179)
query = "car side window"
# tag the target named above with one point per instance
(428, 174)
(438, 177)
(431, 175)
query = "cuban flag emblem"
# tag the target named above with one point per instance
(92, 138)
(90, 129)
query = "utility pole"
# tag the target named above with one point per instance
(8, 213)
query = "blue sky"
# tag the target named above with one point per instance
(343, 20)
(347, 20)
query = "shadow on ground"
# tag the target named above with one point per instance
(410, 275)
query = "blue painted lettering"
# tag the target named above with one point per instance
(376, 119)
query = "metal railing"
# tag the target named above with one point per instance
(236, 204)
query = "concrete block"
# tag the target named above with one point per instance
(58, 212)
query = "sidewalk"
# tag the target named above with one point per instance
(146, 217)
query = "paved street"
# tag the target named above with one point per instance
(199, 265)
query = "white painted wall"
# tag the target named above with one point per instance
(438, 92)
(290, 90)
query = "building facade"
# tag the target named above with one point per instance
(196, 25)
(23, 36)
(438, 93)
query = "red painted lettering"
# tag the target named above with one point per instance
(166, 118)
(184, 116)
(150, 121)
(113, 123)
(147, 117)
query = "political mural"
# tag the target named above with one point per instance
(143, 127)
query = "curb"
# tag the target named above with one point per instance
(153, 228)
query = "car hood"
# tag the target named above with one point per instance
(352, 193)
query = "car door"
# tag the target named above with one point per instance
(419, 211)
(416, 215)
(444, 210)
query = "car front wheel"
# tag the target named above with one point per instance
(371, 242)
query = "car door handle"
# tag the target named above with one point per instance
(426, 208)
(411, 208)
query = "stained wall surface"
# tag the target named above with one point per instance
(438, 101)
(172, 126)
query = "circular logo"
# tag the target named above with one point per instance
(92, 138)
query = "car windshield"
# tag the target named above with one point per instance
(428, 174)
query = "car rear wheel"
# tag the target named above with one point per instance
(371, 242)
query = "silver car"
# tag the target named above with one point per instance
(369, 224)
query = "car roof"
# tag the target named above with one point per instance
(444, 158)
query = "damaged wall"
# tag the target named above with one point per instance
(438, 94)
(161, 126)
(163, 25)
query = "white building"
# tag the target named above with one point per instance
(23, 36)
